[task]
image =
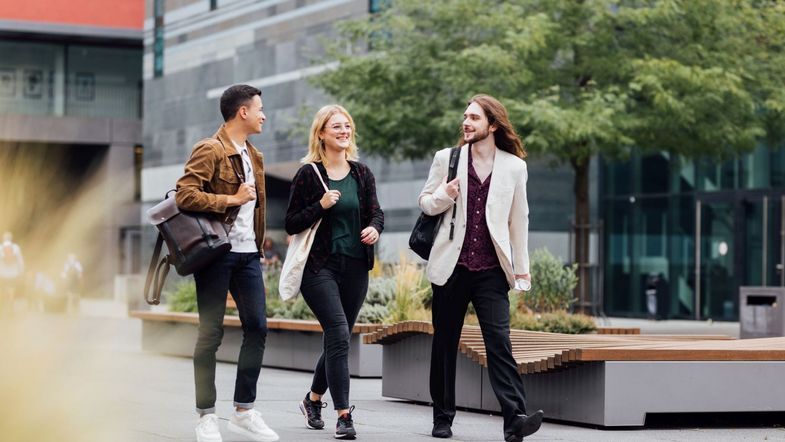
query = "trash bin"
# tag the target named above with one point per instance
(761, 312)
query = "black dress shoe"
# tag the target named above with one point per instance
(525, 426)
(441, 430)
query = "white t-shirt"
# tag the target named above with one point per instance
(242, 235)
(11, 263)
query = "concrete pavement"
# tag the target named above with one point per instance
(86, 379)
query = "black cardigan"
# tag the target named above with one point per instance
(304, 210)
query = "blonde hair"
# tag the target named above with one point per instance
(316, 153)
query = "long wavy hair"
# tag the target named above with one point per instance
(505, 136)
(316, 152)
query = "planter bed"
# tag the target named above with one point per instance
(292, 344)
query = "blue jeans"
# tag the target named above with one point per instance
(335, 295)
(242, 274)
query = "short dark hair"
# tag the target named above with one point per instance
(235, 97)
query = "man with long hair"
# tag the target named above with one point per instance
(480, 261)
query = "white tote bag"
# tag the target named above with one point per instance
(297, 255)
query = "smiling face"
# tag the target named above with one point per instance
(475, 124)
(253, 114)
(337, 132)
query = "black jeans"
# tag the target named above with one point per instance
(335, 295)
(487, 291)
(242, 274)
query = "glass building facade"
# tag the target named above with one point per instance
(681, 236)
(69, 79)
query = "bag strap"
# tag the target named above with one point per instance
(156, 274)
(452, 171)
(232, 213)
(316, 169)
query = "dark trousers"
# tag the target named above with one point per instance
(335, 295)
(487, 291)
(242, 274)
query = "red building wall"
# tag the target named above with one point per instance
(122, 14)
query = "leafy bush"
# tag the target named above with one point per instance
(556, 322)
(552, 284)
(293, 309)
(277, 307)
(184, 297)
(411, 290)
(381, 290)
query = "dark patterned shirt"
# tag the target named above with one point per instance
(477, 252)
(304, 210)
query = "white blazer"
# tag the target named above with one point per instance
(506, 213)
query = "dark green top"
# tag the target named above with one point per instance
(345, 219)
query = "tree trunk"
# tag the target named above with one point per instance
(582, 234)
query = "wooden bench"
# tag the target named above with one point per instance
(600, 379)
(618, 330)
(291, 343)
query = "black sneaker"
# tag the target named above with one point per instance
(312, 410)
(344, 428)
(525, 426)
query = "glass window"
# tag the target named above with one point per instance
(777, 166)
(755, 170)
(713, 175)
(104, 82)
(655, 171)
(27, 77)
(70, 80)
(377, 5)
(618, 177)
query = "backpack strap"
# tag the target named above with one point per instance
(452, 171)
(156, 274)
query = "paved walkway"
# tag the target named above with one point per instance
(86, 379)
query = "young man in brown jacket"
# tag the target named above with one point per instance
(225, 176)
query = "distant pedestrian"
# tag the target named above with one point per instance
(72, 282)
(12, 268)
(272, 257)
(335, 280)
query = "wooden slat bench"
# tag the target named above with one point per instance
(618, 330)
(291, 343)
(601, 379)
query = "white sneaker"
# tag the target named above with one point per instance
(251, 425)
(207, 429)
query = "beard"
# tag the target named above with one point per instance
(478, 135)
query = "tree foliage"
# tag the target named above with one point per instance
(580, 77)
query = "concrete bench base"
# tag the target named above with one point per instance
(608, 394)
(290, 349)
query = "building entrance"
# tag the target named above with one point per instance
(738, 242)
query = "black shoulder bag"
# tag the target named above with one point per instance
(424, 232)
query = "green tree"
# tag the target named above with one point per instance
(579, 77)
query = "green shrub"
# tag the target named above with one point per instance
(556, 322)
(292, 309)
(272, 274)
(411, 291)
(552, 284)
(278, 308)
(381, 290)
(184, 297)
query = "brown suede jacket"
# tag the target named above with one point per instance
(210, 177)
